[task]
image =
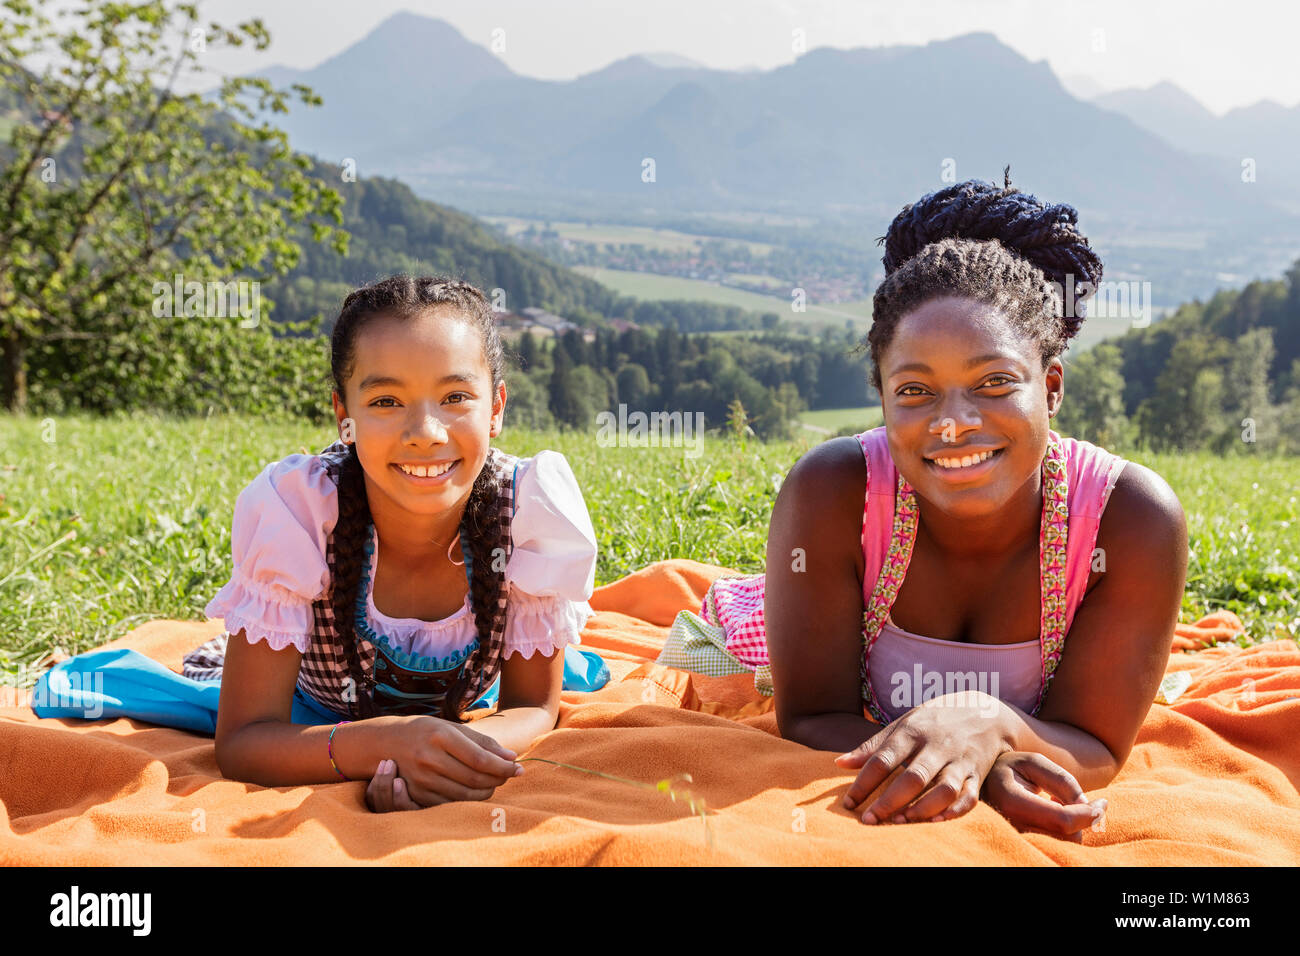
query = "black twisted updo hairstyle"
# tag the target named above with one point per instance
(997, 246)
(403, 297)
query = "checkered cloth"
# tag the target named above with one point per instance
(736, 605)
(323, 674)
(695, 645)
(205, 661)
(726, 637)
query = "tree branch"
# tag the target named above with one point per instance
(151, 250)
(84, 217)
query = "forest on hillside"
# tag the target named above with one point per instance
(1221, 375)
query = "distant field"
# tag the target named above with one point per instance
(649, 287)
(1096, 329)
(765, 219)
(833, 419)
(666, 239)
(771, 283)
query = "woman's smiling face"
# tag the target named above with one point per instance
(420, 396)
(958, 383)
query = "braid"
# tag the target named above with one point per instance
(481, 529)
(998, 246)
(406, 296)
(345, 570)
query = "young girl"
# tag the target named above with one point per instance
(963, 558)
(386, 582)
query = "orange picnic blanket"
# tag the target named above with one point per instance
(1212, 779)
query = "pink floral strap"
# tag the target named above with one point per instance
(1052, 539)
(1051, 563)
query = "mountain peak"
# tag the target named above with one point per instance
(404, 22)
(643, 64)
(411, 50)
(1159, 101)
(980, 46)
(1266, 109)
(672, 61)
(1174, 95)
(976, 38)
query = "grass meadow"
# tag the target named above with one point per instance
(106, 523)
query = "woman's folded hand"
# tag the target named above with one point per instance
(1013, 789)
(947, 746)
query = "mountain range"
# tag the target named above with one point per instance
(1266, 132)
(837, 132)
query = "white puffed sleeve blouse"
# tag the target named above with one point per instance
(282, 523)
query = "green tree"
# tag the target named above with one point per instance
(1252, 422)
(526, 402)
(634, 387)
(528, 350)
(787, 405)
(738, 421)
(561, 397)
(589, 393)
(1186, 410)
(111, 182)
(1289, 413)
(1093, 409)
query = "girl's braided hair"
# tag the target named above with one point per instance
(997, 246)
(405, 296)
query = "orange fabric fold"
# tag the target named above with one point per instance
(1211, 780)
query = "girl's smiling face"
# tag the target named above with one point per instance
(420, 395)
(957, 383)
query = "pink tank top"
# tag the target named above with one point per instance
(907, 668)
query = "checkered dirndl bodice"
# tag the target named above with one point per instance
(324, 674)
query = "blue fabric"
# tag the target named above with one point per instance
(99, 685)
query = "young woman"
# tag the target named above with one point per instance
(1001, 599)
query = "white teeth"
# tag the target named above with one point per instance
(420, 471)
(964, 462)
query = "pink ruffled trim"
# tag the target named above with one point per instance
(543, 623)
(277, 642)
(261, 612)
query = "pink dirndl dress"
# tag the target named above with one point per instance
(1078, 478)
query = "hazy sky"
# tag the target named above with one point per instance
(1225, 54)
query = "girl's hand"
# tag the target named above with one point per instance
(387, 791)
(439, 761)
(1012, 788)
(947, 745)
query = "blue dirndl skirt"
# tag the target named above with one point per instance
(106, 684)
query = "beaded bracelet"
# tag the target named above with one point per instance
(331, 750)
